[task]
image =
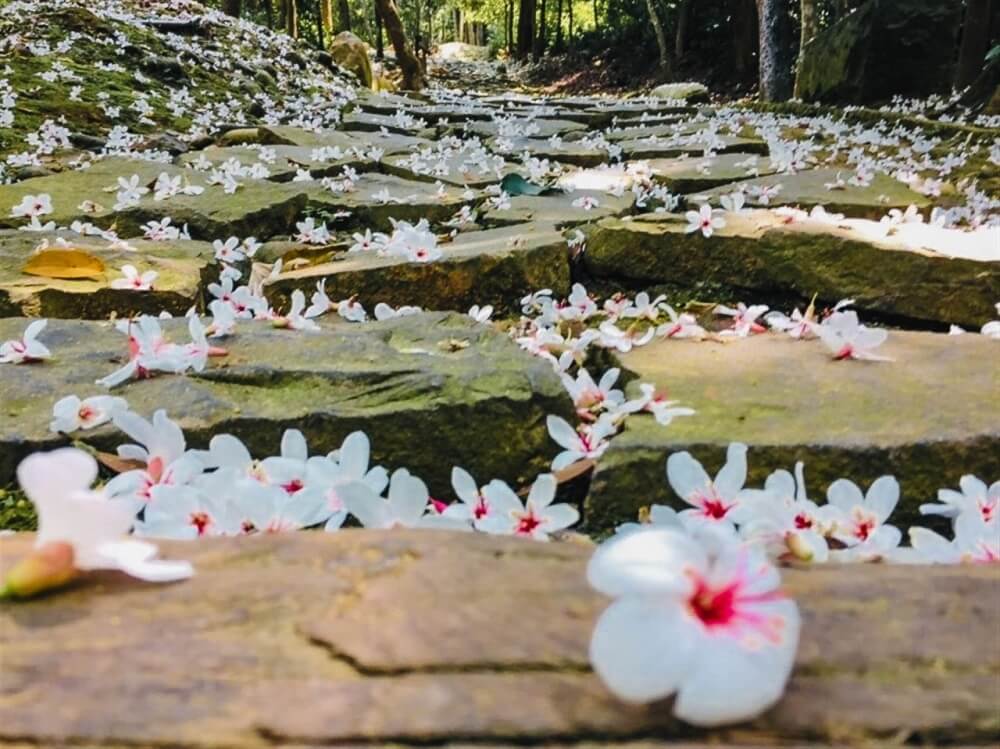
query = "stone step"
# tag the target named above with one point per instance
(694, 174)
(928, 417)
(809, 188)
(646, 148)
(758, 257)
(559, 208)
(429, 390)
(405, 638)
(492, 266)
(183, 267)
(287, 162)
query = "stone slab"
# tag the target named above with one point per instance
(567, 152)
(928, 417)
(183, 267)
(808, 189)
(493, 266)
(455, 168)
(365, 638)
(424, 405)
(259, 208)
(387, 142)
(760, 258)
(694, 174)
(288, 160)
(558, 209)
(423, 201)
(523, 127)
(368, 122)
(656, 148)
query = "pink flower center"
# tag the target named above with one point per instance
(863, 528)
(527, 523)
(201, 521)
(803, 521)
(293, 486)
(482, 508)
(154, 468)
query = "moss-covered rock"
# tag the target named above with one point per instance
(758, 257)
(183, 268)
(429, 390)
(693, 174)
(810, 188)
(928, 417)
(560, 209)
(348, 51)
(287, 161)
(496, 266)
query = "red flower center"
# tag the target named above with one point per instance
(527, 523)
(201, 521)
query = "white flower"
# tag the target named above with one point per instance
(683, 325)
(351, 310)
(859, 520)
(706, 621)
(974, 496)
(229, 251)
(27, 350)
(32, 206)
(58, 483)
(481, 314)
(71, 414)
(587, 203)
(715, 500)
(705, 219)
(537, 518)
(131, 279)
(294, 319)
(849, 339)
(588, 442)
(311, 233)
(406, 506)
(744, 318)
(976, 541)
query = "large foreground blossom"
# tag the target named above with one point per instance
(70, 516)
(702, 619)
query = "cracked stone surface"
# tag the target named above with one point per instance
(492, 266)
(399, 380)
(559, 208)
(757, 256)
(418, 637)
(789, 400)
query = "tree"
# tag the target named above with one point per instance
(291, 15)
(975, 41)
(809, 22)
(344, 13)
(661, 38)
(409, 65)
(526, 28)
(232, 7)
(683, 19)
(775, 28)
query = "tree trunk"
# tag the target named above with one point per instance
(775, 28)
(343, 15)
(269, 13)
(559, 33)
(510, 27)
(744, 14)
(291, 18)
(570, 4)
(661, 38)
(975, 42)
(542, 39)
(597, 23)
(379, 44)
(409, 65)
(525, 28)
(809, 22)
(326, 20)
(232, 7)
(683, 21)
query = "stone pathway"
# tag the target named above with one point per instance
(368, 638)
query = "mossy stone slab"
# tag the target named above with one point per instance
(695, 174)
(809, 188)
(558, 208)
(368, 122)
(258, 208)
(422, 200)
(388, 143)
(454, 169)
(565, 152)
(183, 267)
(758, 257)
(494, 266)
(524, 127)
(656, 148)
(288, 160)
(384, 102)
(928, 417)
(425, 402)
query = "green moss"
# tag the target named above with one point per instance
(16, 512)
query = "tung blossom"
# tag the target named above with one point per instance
(700, 618)
(133, 280)
(71, 414)
(83, 528)
(847, 338)
(705, 219)
(28, 349)
(537, 518)
(589, 442)
(718, 499)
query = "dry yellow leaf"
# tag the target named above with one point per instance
(65, 263)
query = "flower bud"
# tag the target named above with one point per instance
(49, 566)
